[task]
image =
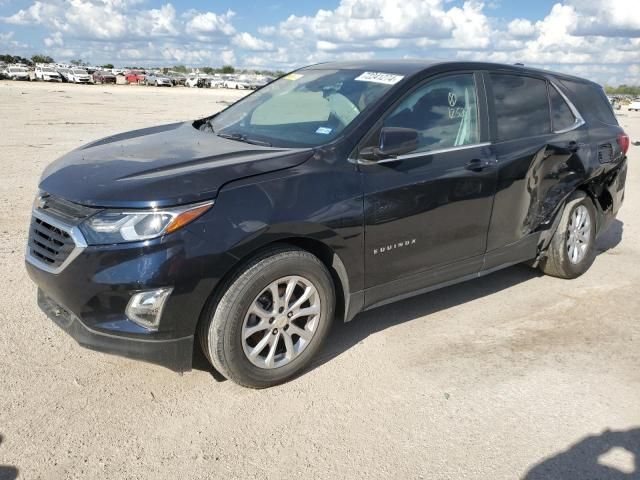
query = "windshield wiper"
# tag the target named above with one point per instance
(243, 138)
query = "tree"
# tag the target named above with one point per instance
(180, 68)
(79, 62)
(107, 65)
(207, 70)
(227, 69)
(42, 59)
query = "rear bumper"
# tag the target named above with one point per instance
(175, 354)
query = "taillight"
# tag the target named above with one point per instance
(623, 141)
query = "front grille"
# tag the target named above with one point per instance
(54, 236)
(49, 244)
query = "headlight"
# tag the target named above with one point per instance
(118, 226)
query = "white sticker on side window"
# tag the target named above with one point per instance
(323, 130)
(379, 77)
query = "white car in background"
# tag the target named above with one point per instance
(197, 80)
(47, 74)
(634, 106)
(237, 84)
(79, 75)
(17, 73)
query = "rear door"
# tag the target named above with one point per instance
(539, 161)
(427, 212)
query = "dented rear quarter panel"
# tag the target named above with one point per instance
(536, 175)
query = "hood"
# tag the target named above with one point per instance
(160, 166)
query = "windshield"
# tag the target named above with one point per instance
(49, 70)
(80, 72)
(17, 69)
(303, 109)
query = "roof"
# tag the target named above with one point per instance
(413, 66)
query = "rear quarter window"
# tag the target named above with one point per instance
(561, 115)
(591, 101)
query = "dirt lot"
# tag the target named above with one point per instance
(513, 375)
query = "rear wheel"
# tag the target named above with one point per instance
(271, 319)
(572, 249)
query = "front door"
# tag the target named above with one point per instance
(427, 212)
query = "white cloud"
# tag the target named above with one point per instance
(228, 57)
(249, 42)
(210, 24)
(521, 27)
(610, 18)
(54, 40)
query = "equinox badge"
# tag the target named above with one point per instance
(393, 246)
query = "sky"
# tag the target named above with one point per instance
(597, 39)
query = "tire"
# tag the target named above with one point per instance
(225, 321)
(562, 260)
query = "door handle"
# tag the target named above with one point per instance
(477, 165)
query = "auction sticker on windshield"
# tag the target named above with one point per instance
(379, 77)
(293, 76)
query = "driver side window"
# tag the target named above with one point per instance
(443, 111)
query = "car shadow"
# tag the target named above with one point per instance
(7, 472)
(346, 335)
(343, 336)
(611, 237)
(586, 459)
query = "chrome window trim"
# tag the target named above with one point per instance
(576, 114)
(73, 231)
(423, 153)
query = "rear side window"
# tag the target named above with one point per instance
(591, 101)
(561, 116)
(521, 106)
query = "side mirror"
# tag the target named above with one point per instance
(393, 141)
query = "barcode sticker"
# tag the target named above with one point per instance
(379, 77)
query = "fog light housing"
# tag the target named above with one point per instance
(145, 308)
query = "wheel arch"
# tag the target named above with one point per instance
(322, 251)
(594, 189)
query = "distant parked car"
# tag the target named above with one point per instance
(79, 75)
(158, 80)
(134, 76)
(197, 80)
(237, 84)
(177, 78)
(18, 73)
(634, 106)
(260, 82)
(47, 74)
(103, 76)
(64, 74)
(216, 82)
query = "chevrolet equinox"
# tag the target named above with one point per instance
(334, 189)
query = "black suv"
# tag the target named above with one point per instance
(335, 189)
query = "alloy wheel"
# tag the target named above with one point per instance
(579, 234)
(281, 322)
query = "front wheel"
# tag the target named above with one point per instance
(572, 249)
(271, 319)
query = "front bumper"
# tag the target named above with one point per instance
(91, 292)
(175, 354)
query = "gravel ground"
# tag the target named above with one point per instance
(514, 375)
